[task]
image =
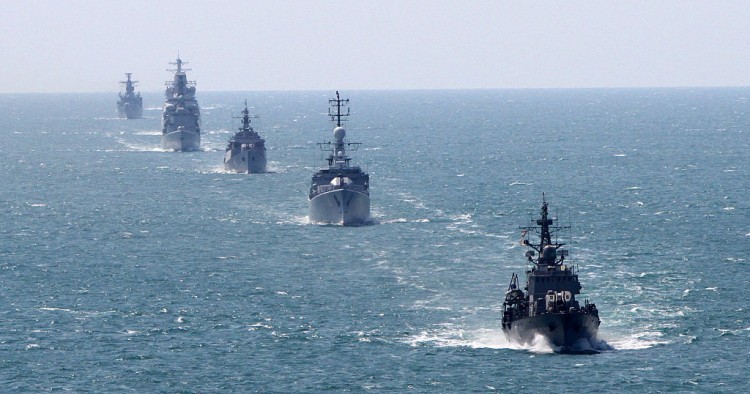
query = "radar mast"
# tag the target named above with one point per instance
(129, 83)
(338, 104)
(545, 248)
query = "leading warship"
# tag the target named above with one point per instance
(130, 104)
(181, 129)
(548, 307)
(339, 193)
(246, 152)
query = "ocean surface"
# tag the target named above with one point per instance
(126, 268)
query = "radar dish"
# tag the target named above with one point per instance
(339, 133)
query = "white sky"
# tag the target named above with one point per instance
(86, 46)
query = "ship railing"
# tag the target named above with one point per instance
(328, 188)
(548, 269)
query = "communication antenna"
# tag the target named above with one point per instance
(338, 104)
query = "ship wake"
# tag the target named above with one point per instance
(135, 147)
(450, 336)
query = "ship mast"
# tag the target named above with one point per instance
(179, 64)
(338, 104)
(338, 116)
(129, 84)
(179, 83)
(544, 222)
(246, 119)
(545, 248)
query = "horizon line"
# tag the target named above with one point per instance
(403, 89)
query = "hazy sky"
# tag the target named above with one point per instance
(86, 46)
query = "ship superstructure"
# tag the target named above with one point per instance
(246, 152)
(181, 129)
(547, 306)
(130, 104)
(340, 192)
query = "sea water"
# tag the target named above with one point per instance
(127, 268)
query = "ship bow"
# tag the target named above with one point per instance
(341, 206)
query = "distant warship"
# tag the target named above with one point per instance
(130, 105)
(340, 193)
(181, 118)
(548, 306)
(246, 152)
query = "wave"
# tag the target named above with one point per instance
(294, 220)
(210, 147)
(274, 167)
(449, 335)
(217, 132)
(638, 341)
(148, 132)
(478, 339)
(216, 169)
(136, 147)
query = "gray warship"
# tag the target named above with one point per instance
(246, 152)
(340, 192)
(130, 104)
(181, 129)
(548, 307)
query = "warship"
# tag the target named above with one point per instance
(548, 307)
(130, 105)
(340, 192)
(246, 152)
(181, 129)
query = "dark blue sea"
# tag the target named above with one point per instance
(126, 268)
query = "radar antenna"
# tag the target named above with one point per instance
(246, 119)
(129, 83)
(178, 63)
(338, 104)
(544, 228)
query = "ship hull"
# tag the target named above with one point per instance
(564, 331)
(251, 161)
(181, 141)
(340, 206)
(129, 111)
(134, 113)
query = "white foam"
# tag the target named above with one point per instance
(451, 336)
(55, 309)
(495, 339)
(275, 168)
(216, 169)
(634, 344)
(134, 147)
(294, 220)
(148, 132)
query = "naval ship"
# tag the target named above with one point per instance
(246, 152)
(181, 129)
(339, 193)
(130, 105)
(547, 306)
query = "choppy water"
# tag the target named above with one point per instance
(124, 268)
